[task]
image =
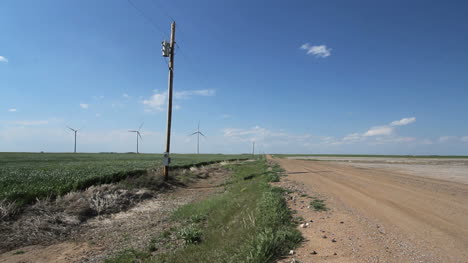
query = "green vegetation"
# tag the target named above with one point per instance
(365, 155)
(318, 205)
(27, 176)
(249, 222)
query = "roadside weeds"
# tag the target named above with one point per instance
(249, 222)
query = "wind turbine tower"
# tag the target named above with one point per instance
(138, 135)
(75, 131)
(198, 133)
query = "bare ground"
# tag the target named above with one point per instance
(104, 235)
(449, 169)
(376, 215)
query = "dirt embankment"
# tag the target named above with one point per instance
(377, 215)
(106, 219)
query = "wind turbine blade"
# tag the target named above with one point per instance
(70, 128)
(202, 134)
(141, 125)
(132, 131)
(193, 133)
(141, 138)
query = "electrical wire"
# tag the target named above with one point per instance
(163, 10)
(182, 52)
(164, 35)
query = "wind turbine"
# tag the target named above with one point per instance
(138, 134)
(75, 131)
(198, 133)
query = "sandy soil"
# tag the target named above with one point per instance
(377, 215)
(106, 235)
(455, 169)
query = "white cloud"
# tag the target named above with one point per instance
(98, 115)
(12, 110)
(393, 139)
(266, 136)
(351, 137)
(404, 121)
(84, 105)
(378, 135)
(389, 129)
(464, 139)
(226, 116)
(186, 94)
(379, 131)
(31, 123)
(125, 95)
(375, 135)
(446, 138)
(321, 51)
(3, 59)
(156, 102)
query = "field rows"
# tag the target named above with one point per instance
(27, 176)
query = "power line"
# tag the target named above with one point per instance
(185, 56)
(163, 10)
(148, 19)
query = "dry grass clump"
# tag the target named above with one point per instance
(48, 220)
(7, 209)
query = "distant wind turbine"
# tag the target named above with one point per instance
(138, 135)
(75, 131)
(198, 133)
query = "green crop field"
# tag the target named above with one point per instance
(27, 176)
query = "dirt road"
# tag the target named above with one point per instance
(390, 216)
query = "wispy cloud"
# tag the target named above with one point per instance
(84, 105)
(265, 136)
(97, 97)
(31, 123)
(390, 128)
(376, 134)
(379, 131)
(452, 139)
(157, 101)
(446, 138)
(186, 94)
(321, 51)
(125, 95)
(12, 110)
(404, 121)
(3, 59)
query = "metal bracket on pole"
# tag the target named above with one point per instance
(166, 159)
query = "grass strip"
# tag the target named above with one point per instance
(249, 222)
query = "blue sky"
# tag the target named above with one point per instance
(383, 77)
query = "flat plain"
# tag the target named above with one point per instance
(27, 176)
(395, 209)
(444, 168)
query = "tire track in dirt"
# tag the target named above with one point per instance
(428, 217)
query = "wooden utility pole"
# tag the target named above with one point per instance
(75, 143)
(167, 159)
(253, 149)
